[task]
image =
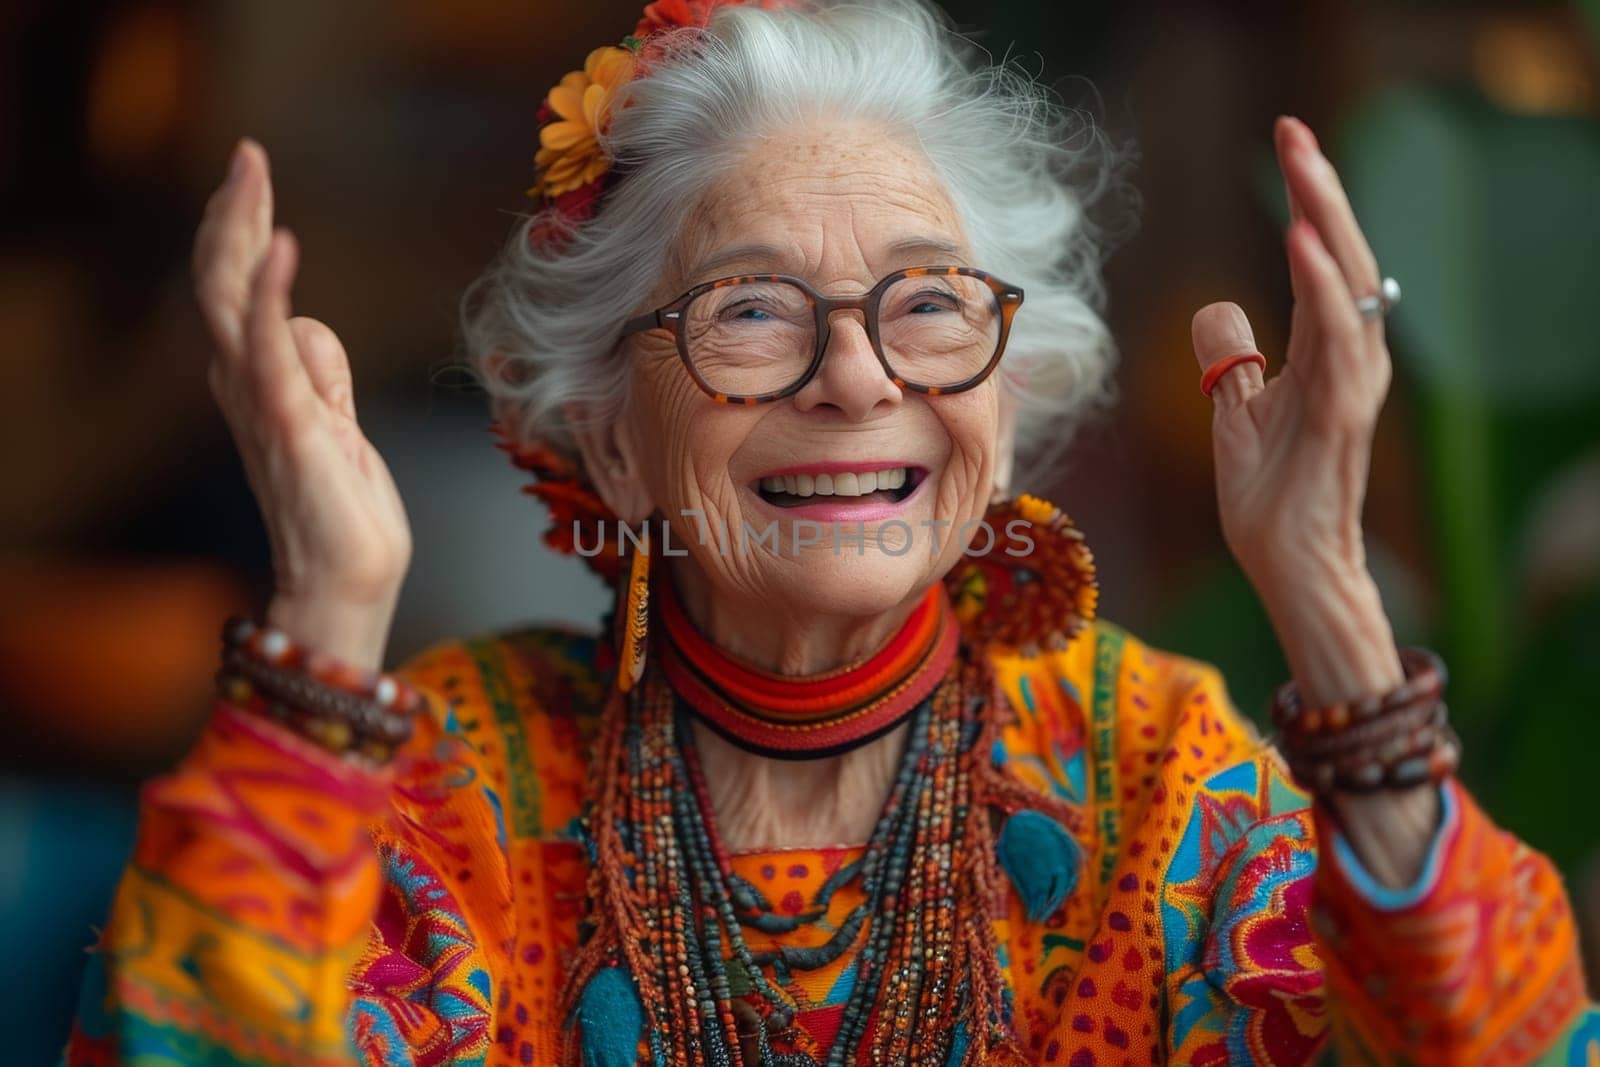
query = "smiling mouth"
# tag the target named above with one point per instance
(889, 485)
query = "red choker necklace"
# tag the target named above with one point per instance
(787, 717)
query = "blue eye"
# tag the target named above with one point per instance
(931, 301)
(747, 309)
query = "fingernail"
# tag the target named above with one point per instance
(236, 162)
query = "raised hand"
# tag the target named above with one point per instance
(1292, 452)
(1292, 456)
(340, 540)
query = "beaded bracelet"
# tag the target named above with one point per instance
(1394, 740)
(343, 708)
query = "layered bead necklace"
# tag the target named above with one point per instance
(663, 966)
(928, 986)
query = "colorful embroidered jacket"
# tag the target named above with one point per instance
(283, 907)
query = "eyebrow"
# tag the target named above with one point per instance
(938, 246)
(941, 252)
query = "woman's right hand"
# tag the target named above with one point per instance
(340, 540)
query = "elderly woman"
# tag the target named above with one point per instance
(855, 776)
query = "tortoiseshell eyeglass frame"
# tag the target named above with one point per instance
(1007, 297)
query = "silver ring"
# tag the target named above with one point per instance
(1381, 303)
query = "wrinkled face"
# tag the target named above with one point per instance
(847, 497)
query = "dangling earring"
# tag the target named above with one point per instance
(635, 615)
(1034, 582)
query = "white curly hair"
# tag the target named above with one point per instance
(541, 328)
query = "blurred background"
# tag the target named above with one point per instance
(402, 135)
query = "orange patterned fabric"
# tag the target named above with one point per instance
(284, 907)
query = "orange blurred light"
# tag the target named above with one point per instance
(1534, 65)
(135, 87)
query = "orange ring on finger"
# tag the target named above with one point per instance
(1208, 380)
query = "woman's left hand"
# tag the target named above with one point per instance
(1292, 456)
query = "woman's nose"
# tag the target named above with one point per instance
(851, 379)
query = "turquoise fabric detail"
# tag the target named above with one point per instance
(1381, 896)
(1042, 859)
(612, 1018)
(958, 1046)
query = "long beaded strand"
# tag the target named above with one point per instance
(879, 954)
(718, 867)
(666, 908)
(610, 932)
(925, 1038)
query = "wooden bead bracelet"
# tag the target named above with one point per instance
(1424, 679)
(1415, 723)
(343, 708)
(1391, 741)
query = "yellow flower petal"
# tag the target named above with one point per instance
(549, 157)
(594, 102)
(598, 58)
(613, 68)
(559, 187)
(567, 166)
(564, 136)
(567, 100)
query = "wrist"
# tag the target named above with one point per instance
(1334, 633)
(354, 633)
(1391, 834)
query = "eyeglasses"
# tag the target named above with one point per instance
(760, 337)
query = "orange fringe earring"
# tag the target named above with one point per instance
(635, 618)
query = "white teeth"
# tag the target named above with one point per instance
(844, 484)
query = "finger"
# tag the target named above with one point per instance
(1220, 331)
(326, 363)
(1282, 138)
(278, 380)
(232, 237)
(1334, 323)
(1299, 285)
(1315, 184)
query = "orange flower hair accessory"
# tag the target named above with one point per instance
(573, 115)
(572, 171)
(573, 174)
